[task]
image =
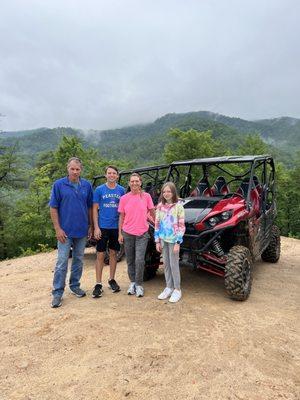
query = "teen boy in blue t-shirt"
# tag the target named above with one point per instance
(105, 216)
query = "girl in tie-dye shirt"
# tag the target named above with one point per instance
(169, 230)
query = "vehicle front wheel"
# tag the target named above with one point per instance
(272, 252)
(238, 273)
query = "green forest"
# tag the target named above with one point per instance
(31, 161)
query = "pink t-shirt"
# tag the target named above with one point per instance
(135, 207)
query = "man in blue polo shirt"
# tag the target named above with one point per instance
(106, 220)
(71, 213)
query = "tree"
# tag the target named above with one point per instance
(192, 144)
(9, 166)
(32, 228)
(294, 199)
(254, 145)
(9, 179)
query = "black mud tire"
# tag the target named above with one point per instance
(238, 273)
(106, 257)
(272, 252)
(152, 259)
(149, 273)
(120, 255)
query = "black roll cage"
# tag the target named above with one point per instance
(254, 161)
(152, 172)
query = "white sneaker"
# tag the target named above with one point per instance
(176, 296)
(165, 293)
(139, 291)
(131, 289)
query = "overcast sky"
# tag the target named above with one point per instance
(106, 64)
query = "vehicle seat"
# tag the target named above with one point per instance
(152, 190)
(243, 188)
(154, 193)
(202, 189)
(148, 187)
(257, 184)
(220, 186)
(254, 195)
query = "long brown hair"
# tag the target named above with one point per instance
(173, 190)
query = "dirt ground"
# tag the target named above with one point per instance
(204, 347)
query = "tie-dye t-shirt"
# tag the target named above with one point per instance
(169, 223)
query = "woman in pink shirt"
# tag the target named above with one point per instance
(133, 231)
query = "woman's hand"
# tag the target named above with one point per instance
(121, 238)
(176, 248)
(158, 247)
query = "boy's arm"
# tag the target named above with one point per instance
(97, 231)
(121, 221)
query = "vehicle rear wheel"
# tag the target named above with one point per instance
(238, 273)
(272, 252)
(120, 255)
(152, 258)
(149, 273)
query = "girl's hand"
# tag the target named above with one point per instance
(158, 247)
(176, 248)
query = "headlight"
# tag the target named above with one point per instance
(226, 215)
(213, 221)
(219, 218)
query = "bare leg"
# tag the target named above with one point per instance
(112, 263)
(99, 266)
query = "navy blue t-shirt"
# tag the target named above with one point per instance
(108, 200)
(72, 204)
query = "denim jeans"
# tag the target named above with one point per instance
(61, 268)
(135, 249)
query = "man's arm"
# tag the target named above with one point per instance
(60, 234)
(91, 225)
(97, 231)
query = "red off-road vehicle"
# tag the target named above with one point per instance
(230, 211)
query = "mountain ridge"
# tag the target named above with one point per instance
(280, 132)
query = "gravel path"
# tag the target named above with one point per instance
(205, 347)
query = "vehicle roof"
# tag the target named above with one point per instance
(144, 169)
(138, 170)
(223, 160)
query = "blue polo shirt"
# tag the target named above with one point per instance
(108, 200)
(72, 203)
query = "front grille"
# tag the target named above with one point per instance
(190, 229)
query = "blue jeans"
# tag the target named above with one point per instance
(61, 268)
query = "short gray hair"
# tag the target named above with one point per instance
(75, 159)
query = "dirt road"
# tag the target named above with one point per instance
(205, 347)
